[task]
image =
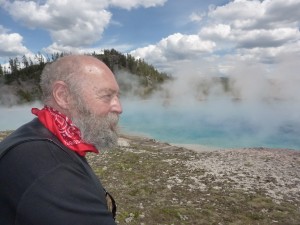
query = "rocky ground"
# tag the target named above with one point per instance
(158, 183)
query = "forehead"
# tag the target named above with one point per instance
(93, 68)
(99, 79)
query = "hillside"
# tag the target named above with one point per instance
(20, 82)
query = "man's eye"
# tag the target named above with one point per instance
(107, 97)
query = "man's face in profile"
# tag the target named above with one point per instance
(99, 130)
(95, 109)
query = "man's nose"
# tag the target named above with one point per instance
(116, 105)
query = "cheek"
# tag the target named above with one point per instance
(100, 109)
(96, 105)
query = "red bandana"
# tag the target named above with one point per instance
(63, 128)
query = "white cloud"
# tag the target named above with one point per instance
(70, 22)
(271, 55)
(73, 25)
(238, 10)
(186, 43)
(11, 44)
(55, 48)
(196, 17)
(252, 29)
(256, 32)
(245, 14)
(175, 47)
(128, 4)
(85, 30)
(266, 38)
(280, 13)
(151, 53)
(216, 31)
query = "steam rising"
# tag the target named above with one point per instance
(245, 105)
(15, 116)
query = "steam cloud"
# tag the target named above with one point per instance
(257, 105)
(197, 107)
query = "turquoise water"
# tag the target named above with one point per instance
(216, 123)
(13, 117)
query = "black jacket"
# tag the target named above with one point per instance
(44, 183)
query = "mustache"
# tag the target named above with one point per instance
(112, 119)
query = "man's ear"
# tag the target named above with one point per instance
(60, 94)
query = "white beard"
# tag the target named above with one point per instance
(101, 131)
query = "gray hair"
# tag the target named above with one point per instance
(63, 69)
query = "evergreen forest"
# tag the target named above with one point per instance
(19, 83)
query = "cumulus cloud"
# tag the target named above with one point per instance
(174, 47)
(54, 48)
(216, 31)
(72, 23)
(240, 30)
(267, 14)
(239, 12)
(280, 13)
(11, 44)
(186, 44)
(266, 38)
(255, 24)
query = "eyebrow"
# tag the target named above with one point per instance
(102, 91)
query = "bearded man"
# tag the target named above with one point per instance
(44, 175)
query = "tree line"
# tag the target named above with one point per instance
(26, 71)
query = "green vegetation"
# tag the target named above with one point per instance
(23, 75)
(153, 185)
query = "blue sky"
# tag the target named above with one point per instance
(130, 26)
(241, 38)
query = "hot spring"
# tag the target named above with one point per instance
(216, 122)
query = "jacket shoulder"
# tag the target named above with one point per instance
(31, 133)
